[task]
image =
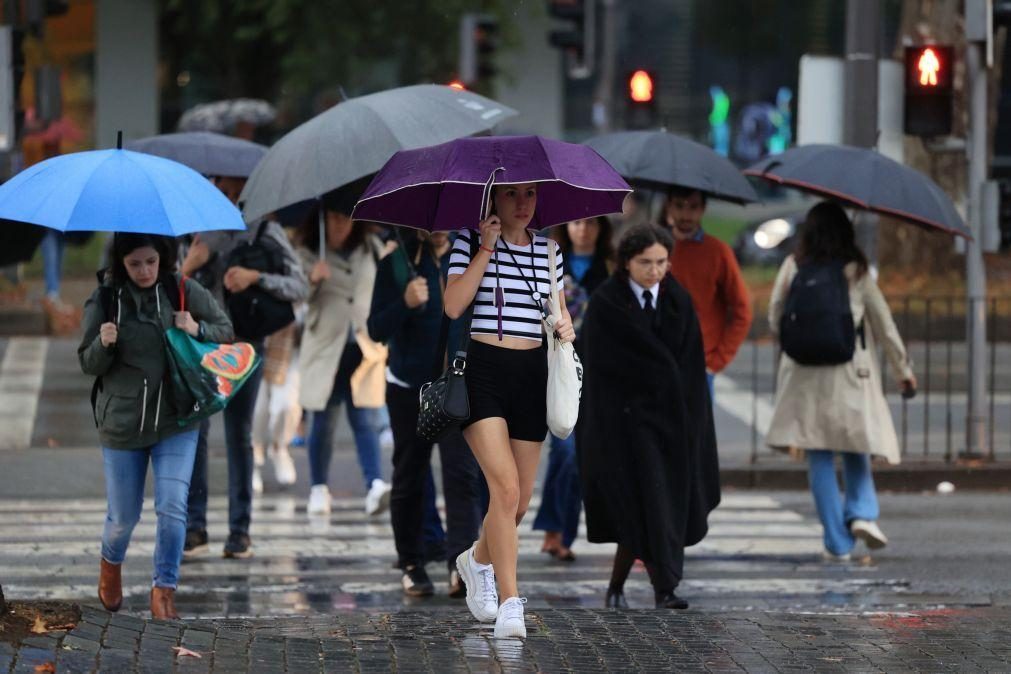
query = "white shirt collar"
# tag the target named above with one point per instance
(638, 290)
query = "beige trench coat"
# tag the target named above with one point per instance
(839, 407)
(336, 306)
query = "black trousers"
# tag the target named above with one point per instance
(411, 458)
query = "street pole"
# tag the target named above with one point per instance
(975, 272)
(860, 106)
(603, 105)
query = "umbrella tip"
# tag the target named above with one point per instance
(119, 140)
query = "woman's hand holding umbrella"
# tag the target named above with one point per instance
(320, 272)
(491, 230)
(197, 255)
(416, 294)
(108, 333)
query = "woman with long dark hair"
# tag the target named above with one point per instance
(646, 442)
(839, 408)
(588, 261)
(341, 283)
(124, 347)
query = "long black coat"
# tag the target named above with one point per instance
(647, 446)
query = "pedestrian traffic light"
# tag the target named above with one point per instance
(478, 43)
(578, 40)
(641, 100)
(929, 90)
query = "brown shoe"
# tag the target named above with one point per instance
(110, 585)
(163, 603)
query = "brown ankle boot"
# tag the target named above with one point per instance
(163, 603)
(110, 585)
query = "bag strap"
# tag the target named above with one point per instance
(260, 230)
(461, 351)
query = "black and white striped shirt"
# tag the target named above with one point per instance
(521, 315)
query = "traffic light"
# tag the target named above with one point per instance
(478, 42)
(929, 91)
(641, 98)
(579, 39)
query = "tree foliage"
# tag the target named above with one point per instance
(297, 50)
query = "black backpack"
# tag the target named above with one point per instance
(256, 313)
(817, 324)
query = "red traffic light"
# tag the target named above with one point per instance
(928, 68)
(456, 84)
(640, 87)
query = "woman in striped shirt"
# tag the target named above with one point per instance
(505, 272)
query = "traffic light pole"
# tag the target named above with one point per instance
(975, 272)
(860, 106)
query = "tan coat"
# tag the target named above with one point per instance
(336, 305)
(839, 407)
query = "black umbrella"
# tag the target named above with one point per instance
(658, 160)
(18, 241)
(212, 154)
(866, 179)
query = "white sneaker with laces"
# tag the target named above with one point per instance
(257, 480)
(378, 498)
(509, 624)
(319, 500)
(869, 533)
(284, 466)
(832, 557)
(482, 596)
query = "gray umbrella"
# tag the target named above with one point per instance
(211, 154)
(222, 116)
(658, 159)
(865, 179)
(355, 138)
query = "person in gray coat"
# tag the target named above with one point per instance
(123, 347)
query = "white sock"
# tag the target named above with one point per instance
(475, 564)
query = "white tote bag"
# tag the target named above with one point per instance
(565, 372)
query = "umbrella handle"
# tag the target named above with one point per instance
(486, 194)
(322, 231)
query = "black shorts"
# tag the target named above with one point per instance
(509, 383)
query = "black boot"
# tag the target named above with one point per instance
(615, 598)
(670, 600)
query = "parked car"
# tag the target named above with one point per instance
(767, 242)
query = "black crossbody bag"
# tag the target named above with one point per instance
(443, 402)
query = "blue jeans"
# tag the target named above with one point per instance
(238, 417)
(561, 499)
(861, 501)
(125, 473)
(366, 424)
(712, 391)
(52, 260)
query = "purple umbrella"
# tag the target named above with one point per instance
(446, 187)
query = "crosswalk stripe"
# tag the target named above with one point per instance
(20, 382)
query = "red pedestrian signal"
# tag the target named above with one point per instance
(640, 87)
(929, 91)
(928, 65)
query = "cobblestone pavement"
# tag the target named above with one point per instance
(583, 640)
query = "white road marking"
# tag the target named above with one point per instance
(20, 383)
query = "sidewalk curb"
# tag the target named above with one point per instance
(910, 477)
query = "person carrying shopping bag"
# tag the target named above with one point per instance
(829, 314)
(124, 346)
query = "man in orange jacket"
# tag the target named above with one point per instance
(707, 269)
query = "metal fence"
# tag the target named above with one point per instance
(931, 426)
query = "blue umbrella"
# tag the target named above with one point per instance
(117, 191)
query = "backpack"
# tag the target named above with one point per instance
(255, 312)
(817, 324)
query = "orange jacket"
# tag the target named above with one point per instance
(708, 270)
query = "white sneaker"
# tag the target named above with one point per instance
(482, 597)
(319, 500)
(509, 623)
(869, 533)
(257, 480)
(284, 466)
(378, 498)
(386, 439)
